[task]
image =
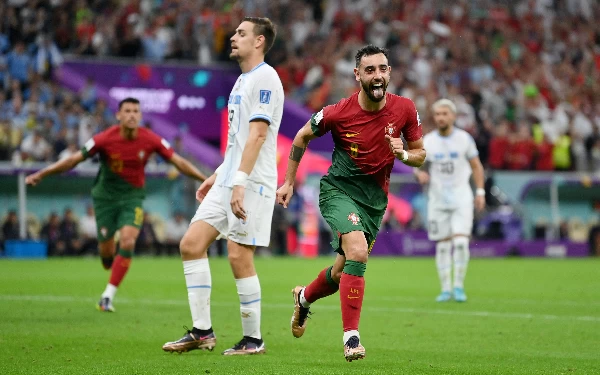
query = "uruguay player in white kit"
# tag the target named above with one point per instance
(451, 159)
(239, 198)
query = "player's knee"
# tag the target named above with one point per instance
(127, 243)
(186, 247)
(357, 253)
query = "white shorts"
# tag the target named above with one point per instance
(259, 203)
(445, 223)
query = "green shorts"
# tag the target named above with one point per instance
(344, 215)
(113, 215)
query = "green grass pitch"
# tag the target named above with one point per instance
(524, 316)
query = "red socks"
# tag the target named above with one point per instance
(120, 267)
(352, 291)
(321, 287)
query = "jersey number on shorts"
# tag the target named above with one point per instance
(447, 167)
(139, 216)
(354, 150)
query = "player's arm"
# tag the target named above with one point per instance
(256, 138)
(479, 179)
(186, 167)
(304, 135)
(416, 153)
(57, 167)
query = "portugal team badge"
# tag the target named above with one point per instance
(354, 219)
(389, 129)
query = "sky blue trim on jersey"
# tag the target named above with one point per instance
(249, 302)
(256, 67)
(262, 117)
(199, 287)
(474, 156)
(261, 190)
(253, 241)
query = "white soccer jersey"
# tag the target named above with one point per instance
(257, 94)
(450, 168)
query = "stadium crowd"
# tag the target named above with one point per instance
(524, 74)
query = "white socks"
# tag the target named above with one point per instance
(461, 257)
(110, 291)
(303, 300)
(199, 284)
(349, 334)
(249, 292)
(444, 263)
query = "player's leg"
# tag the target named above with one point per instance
(241, 259)
(209, 221)
(439, 230)
(243, 237)
(107, 215)
(462, 224)
(129, 220)
(127, 236)
(326, 284)
(352, 289)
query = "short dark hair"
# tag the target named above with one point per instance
(128, 100)
(368, 51)
(265, 27)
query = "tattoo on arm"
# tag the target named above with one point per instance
(296, 153)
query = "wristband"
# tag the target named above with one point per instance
(480, 192)
(240, 179)
(404, 156)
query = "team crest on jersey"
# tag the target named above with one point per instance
(389, 129)
(354, 218)
(141, 154)
(103, 231)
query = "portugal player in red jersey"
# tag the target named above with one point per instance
(118, 192)
(366, 129)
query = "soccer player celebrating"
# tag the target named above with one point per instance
(366, 130)
(118, 192)
(450, 208)
(238, 200)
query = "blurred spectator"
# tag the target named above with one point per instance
(147, 241)
(52, 235)
(10, 227)
(88, 232)
(175, 228)
(69, 233)
(36, 148)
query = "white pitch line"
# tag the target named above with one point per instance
(408, 310)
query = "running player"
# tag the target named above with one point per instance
(118, 192)
(366, 129)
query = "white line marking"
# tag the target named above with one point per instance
(408, 310)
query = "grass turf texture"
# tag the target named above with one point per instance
(524, 316)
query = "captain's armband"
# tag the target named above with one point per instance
(296, 153)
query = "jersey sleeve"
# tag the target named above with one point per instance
(471, 148)
(162, 147)
(264, 97)
(412, 130)
(322, 121)
(94, 145)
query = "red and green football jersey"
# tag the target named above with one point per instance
(122, 162)
(362, 160)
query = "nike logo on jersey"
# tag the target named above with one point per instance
(349, 135)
